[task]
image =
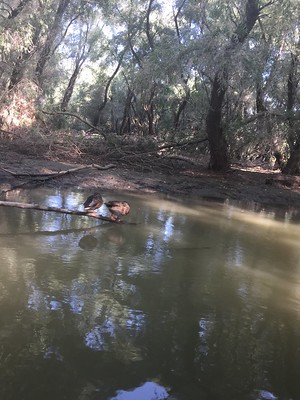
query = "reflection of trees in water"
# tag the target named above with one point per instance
(176, 298)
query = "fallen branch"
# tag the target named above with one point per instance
(52, 175)
(55, 209)
(180, 158)
(159, 149)
(78, 117)
(6, 132)
(184, 143)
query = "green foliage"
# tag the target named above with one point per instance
(169, 53)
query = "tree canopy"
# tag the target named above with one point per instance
(177, 70)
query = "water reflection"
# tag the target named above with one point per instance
(148, 391)
(88, 242)
(192, 302)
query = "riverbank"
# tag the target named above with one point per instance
(252, 183)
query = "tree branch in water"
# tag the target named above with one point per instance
(90, 214)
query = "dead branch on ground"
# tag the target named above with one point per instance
(42, 178)
(53, 175)
(180, 144)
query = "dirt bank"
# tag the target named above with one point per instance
(251, 183)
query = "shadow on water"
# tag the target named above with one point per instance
(198, 300)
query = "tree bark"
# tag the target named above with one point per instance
(219, 159)
(70, 88)
(101, 107)
(148, 30)
(126, 120)
(260, 104)
(181, 108)
(21, 62)
(149, 109)
(292, 166)
(53, 32)
(91, 214)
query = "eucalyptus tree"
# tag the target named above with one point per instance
(271, 102)
(291, 43)
(218, 148)
(139, 26)
(54, 30)
(222, 37)
(19, 34)
(80, 45)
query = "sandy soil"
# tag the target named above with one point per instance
(252, 183)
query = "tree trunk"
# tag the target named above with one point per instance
(149, 109)
(53, 32)
(101, 107)
(219, 159)
(292, 166)
(181, 109)
(126, 120)
(70, 88)
(21, 62)
(260, 104)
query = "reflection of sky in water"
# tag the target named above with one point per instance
(53, 352)
(205, 326)
(54, 201)
(97, 337)
(235, 254)
(156, 251)
(68, 201)
(168, 221)
(136, 320)
(148, 391)
(38, 299)
(169, 227)
(98, 290)
(35, 299)
(54, 305)
(76, 303)
(265, 395)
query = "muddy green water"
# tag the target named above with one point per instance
(194, 301)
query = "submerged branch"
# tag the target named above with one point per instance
(55, 209)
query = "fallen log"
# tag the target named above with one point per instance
(91, 214)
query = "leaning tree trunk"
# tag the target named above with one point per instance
(219, 159)
(52, 35)
(181, 108)
(97, 118)
(70, 88)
